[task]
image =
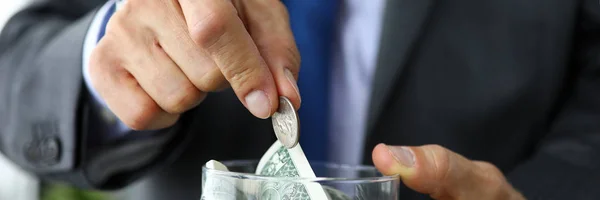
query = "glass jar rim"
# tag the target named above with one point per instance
(252, 176)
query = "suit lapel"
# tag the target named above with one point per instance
(402, 25)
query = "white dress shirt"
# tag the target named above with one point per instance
(354, 65)
(352, 72)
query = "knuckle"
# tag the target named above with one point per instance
(140, 116)
(135, 9)
(207, 30)
(101, 52)
(117, 22)
(494, 181)
(124, 28)
(98, 60)
(492, 176)
(441, 161)
(101, 63)
(211, 81)
(101, 55)
(182, 99)
(487, 166)
(242, 76)
(128, 8)
(494, 185)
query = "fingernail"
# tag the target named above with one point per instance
(292, 81)
(403, 155)
(258, 104)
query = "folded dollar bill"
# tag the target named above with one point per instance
(278, 161)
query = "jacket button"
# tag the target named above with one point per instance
(44, 152)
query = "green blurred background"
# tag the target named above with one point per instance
(64, 192)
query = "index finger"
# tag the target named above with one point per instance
(269, 25)
(215, 27)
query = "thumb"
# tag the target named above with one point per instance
(443, 174)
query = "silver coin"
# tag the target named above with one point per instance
(286, 123)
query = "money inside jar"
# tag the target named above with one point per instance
(284, 158)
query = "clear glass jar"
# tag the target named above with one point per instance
(337, 182)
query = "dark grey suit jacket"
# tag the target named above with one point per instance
(512, 82)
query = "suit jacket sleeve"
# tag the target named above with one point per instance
(567, 162)
(47, 124)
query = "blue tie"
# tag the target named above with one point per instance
(312, 22)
